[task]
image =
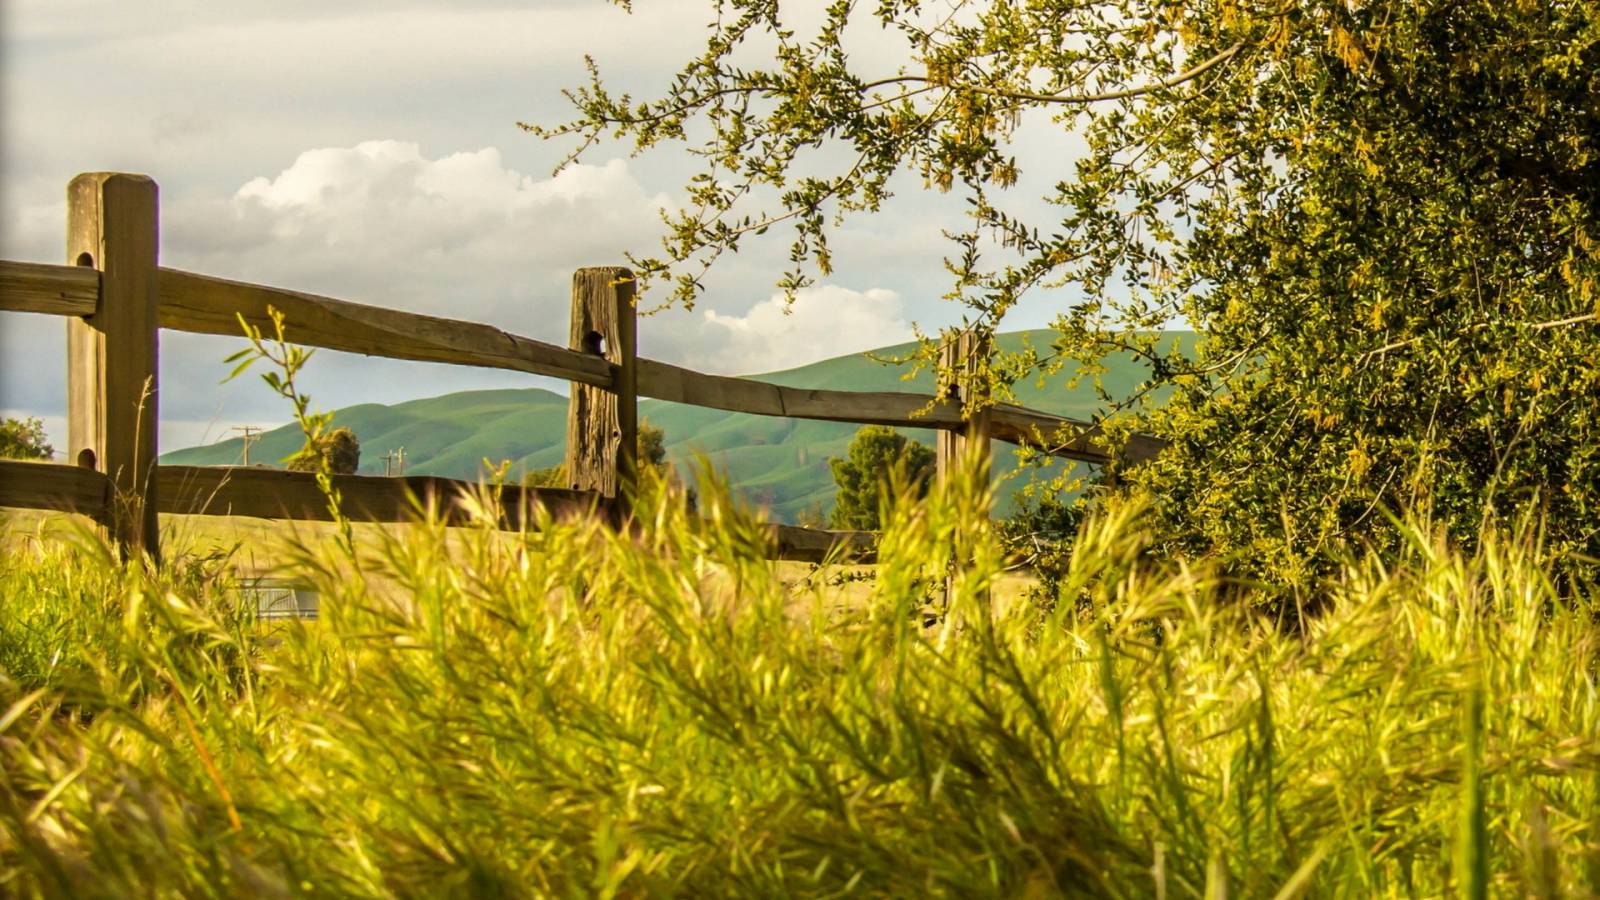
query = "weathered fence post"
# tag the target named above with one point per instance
(603, 424)
(968, 446)
(970, 443)
(112, 355)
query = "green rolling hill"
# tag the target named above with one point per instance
(778, 463)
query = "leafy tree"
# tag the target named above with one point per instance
(1042, 531)
(550, 477)
(868, 472)
(812, 516)
(652, 446)
(24, 439)
(339, 448)
(1381, 217)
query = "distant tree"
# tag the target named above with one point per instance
(652, 446)
(812, 516)
(865, 474)
(552, 477)
(24, 439)
(651, 453)
(338, 447)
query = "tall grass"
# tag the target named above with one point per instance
(580, 713)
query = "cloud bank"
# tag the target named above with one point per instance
(824, 321)
(460, 235)
(465, 236)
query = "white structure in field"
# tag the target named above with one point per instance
(279, 598)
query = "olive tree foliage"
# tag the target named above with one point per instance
(1380, 216)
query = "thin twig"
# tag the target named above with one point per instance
(1588, 317)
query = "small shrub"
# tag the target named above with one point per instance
(24, 439)
(339, 448)
(812, 516)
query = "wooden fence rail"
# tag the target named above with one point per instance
(116, 298)
(276, 494)
(202, 304)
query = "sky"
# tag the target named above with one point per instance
(369, 151)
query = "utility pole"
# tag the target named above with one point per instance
(395, 459)
(251, 434)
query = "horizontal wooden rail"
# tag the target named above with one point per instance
(812, 545)
(117, 299)
(55, 290)
(274, 494)
(665, 381)
(208, 305)
(44, 485)
(1064, 437)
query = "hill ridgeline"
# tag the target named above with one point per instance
(778, 463)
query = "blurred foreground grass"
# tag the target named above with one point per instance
(574, 713)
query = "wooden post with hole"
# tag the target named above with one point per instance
(603, 423)
(112, 355)
(969, 446)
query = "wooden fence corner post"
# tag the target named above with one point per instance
(113, 355)
(603, 423)
(968, 446)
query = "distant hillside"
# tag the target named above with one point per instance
(779, 463)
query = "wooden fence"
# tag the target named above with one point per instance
(116, 299)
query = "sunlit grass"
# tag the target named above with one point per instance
(575, 712)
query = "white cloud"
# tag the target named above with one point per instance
(205, 97)
(825, 321)
(414, 43)
(461, 235)
(34, 231)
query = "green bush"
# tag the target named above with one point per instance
(24, 439)
(551, 477)
(338, 448)
(812, 516)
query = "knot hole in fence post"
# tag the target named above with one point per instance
(603, 422)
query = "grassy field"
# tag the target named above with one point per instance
(574, 713)
(243, 547)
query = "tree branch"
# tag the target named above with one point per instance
(1174, 81)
